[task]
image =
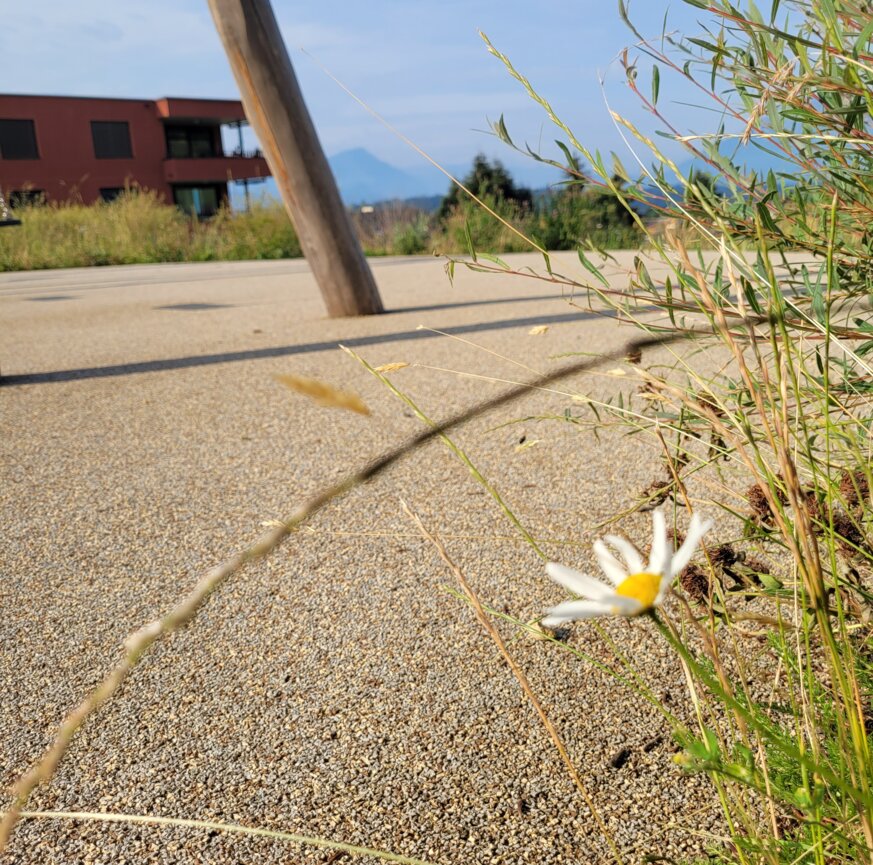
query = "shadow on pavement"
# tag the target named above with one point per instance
(172, 363)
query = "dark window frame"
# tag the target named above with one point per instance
(180, 190)
(108, 194)
(192, 142)
(107, 142)
(32, 145)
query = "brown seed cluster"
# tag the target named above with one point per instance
(854, 488)
(696, 583)
(787, 825)
(728, 564)
(724, 556)
(635, 355)
(849, 536)
(812, 504)
(708, 402)
(675, 537)
(656, 493)
(762, 513)
(756, 566)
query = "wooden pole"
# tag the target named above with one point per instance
(275, 108)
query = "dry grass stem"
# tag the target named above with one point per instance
(231, 828)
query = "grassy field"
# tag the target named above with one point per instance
(139, 228)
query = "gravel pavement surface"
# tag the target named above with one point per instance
(335, 689)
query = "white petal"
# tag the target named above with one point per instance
(630, 552)
(659, 560)
(623, 605)
(696, 530)
(663, 588)
(609, 564)
(577, 582)
(571, 611)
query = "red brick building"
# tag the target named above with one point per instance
(59, 148)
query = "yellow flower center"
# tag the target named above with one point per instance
(642, 587)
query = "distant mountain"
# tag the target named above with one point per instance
(427, 203)
(363, 178)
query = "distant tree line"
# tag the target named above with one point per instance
(575, 213)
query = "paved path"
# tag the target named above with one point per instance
(335, 689)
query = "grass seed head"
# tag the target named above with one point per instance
(757, 499)
(854, 488)
(696, 583)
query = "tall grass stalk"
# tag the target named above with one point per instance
(772, 271)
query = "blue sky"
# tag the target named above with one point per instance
(420, 63)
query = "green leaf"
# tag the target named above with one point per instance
(769, 582)
(766, 218)
(494, 259)
(668, 301)
(618, 169)
(863, 38)
(548, 263)
(469, 238)
(572, 161)
(656, 84)
(643, 274)
(751, 296)
(592, 268)
(712, 748)
(819, 308)
(502, 133)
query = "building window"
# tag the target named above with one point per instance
(18, 139)
(200, 201)
(26, 198)
(111, 139)
(110, 193)
(191, 142)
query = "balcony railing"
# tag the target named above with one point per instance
(236, 153)
(215, 168)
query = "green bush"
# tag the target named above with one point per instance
(486, 180)
(581, 216)
(264, 232)
(138, 227)
(469, 223)
(413, 238)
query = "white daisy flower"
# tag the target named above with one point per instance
(636, 587)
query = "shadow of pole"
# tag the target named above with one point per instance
(174, 363)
